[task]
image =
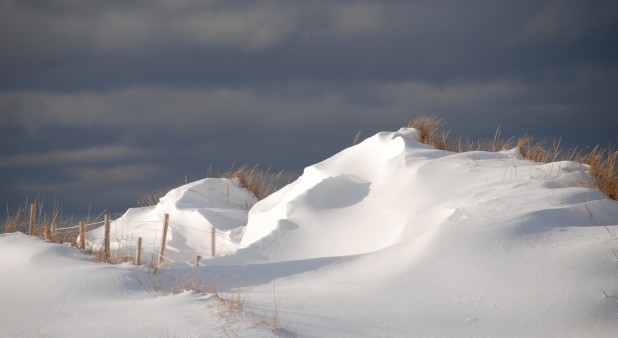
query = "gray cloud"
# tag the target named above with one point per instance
(68, 157)
(297, 106)
(141, 26)
(89, 178)
(104, 101)
(568, 21)
(113, 44)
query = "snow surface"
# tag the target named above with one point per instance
(194, 209)
(388, 238)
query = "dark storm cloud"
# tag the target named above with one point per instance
(76, 46)
(103, 101)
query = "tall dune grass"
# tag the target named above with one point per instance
(46, 215)
(43, 217)
(260, 183)
(601, 161)
(151, 199)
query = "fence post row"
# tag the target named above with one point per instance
(166, 220)
(51, 233)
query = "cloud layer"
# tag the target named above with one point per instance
(94, 93)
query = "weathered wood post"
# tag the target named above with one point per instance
(166, 220)
(213, 234)
(197, 260)
(54, 232)
(107, 239)
(82, 235)
(32, 219)
(138, 254)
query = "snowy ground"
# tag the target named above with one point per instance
(389, 238)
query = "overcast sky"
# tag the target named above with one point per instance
(104, 101)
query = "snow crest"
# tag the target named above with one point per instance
(194, 209)
(443, 244)
(391, 189)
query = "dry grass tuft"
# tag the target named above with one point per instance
(603, 169)
(260, 183)
(530, 150)
(273, 322)
(230, 305)
(233, 304)
(190, 282)
(150, 200)
(14, 223)
(428, 127)
(116, 256)
(602, 162)
(462, 145)
(44, 220)
(356, 137)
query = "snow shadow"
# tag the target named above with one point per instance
(337, 192)
(228, 277)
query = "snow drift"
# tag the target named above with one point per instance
(194, 209)
(391, 189)
(392, 238)
(442, 243)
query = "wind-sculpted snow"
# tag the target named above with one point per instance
(457, 244)
(388, 238)
(193, 208)
(390, 188)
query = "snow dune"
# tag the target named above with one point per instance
(194, 209)
(388, 238)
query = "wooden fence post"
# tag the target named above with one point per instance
(138, 254)
(197, 260)
(166, 220)
(46, 233)
(82, 235)
(213, 234)
(32, 219)
(107, 239)
(54, 228)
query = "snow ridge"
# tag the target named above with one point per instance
(389, 237)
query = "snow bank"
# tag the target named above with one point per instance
(53, 290)
(390, 188)
(443, 244)
(386, 238)
(194, 209)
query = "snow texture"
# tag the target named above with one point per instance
(388, 238)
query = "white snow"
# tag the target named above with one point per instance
(194, 209)
(388, 238)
